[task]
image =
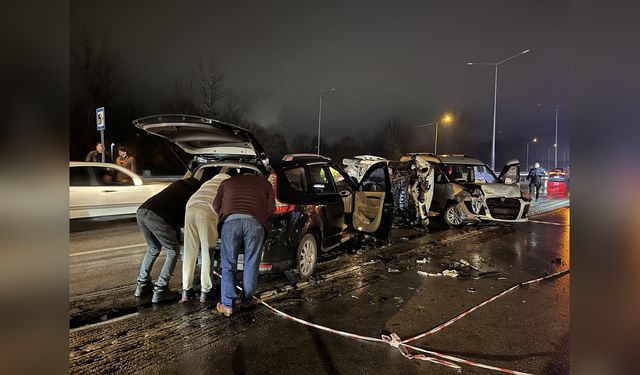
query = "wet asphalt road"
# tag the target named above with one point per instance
(527, 330)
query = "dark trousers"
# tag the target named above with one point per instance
(537, 187)
(158, 234)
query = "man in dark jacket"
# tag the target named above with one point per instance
(244, 204)
(160, 219)
(535, 179)
(96, 155)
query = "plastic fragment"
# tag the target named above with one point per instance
(450, 273)
(393, 270)
(421, 261)
(422, 273)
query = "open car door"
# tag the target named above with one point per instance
(373, 189)
(510, 172)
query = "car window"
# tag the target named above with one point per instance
(297, 178)
(319, 179)
(438, 176)
(375, 180)
(462, 173)
(79, 176)
(512, 174)
(108, 177)
(484, 175)
(342, 181)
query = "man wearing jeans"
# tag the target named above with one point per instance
(244, 204)
(160, 219)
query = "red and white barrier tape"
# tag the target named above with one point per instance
(474, 308)
(402, 346)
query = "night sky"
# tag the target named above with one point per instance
(386, 59)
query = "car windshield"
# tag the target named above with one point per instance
(479, 174)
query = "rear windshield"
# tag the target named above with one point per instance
(464, 173)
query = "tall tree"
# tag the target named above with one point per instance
(208, 79)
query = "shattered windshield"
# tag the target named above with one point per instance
(464, 173)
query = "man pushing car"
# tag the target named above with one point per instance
(244, 204)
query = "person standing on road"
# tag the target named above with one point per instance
(160, 219)
(244, 203)
(535, 179)
(200, 232)
(96, 155)
(125, 160)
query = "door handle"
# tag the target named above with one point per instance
(108, 191)
(345, 193)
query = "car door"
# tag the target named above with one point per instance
(330, 203)
(117, 192)
(370, 198)
(441, 189)
(82, 192)
(510, 173)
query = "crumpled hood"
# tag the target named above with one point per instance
(501, 191)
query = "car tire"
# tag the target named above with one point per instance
(452, 215)
(306, 256)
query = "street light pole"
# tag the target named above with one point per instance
(556, 144)
(534, 141)
(495, 101)
(446, 119)
(320, 114)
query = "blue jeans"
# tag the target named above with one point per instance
(240, 232)
(158, 233)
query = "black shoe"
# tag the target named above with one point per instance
(143, 289)
(163, 293)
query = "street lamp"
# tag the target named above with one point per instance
(534, 140)
(495, 99)
(447, 118)
(555, 145)
(320, 114)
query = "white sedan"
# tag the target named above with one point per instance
(105, 189)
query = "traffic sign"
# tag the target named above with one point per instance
(100, 119)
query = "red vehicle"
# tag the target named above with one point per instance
(558, 175)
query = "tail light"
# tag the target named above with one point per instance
(281, 208)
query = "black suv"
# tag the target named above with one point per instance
(319, 207)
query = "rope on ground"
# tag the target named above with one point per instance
(394, 340)
(474, 308)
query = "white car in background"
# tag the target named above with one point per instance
(106, 189)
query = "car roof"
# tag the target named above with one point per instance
(447, 158)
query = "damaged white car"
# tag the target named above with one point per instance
(412, 184)
(466, 190)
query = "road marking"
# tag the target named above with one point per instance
(108, 249)
(548, 222)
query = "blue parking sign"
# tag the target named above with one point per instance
(100, 119)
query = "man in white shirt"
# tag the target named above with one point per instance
(200, 232)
